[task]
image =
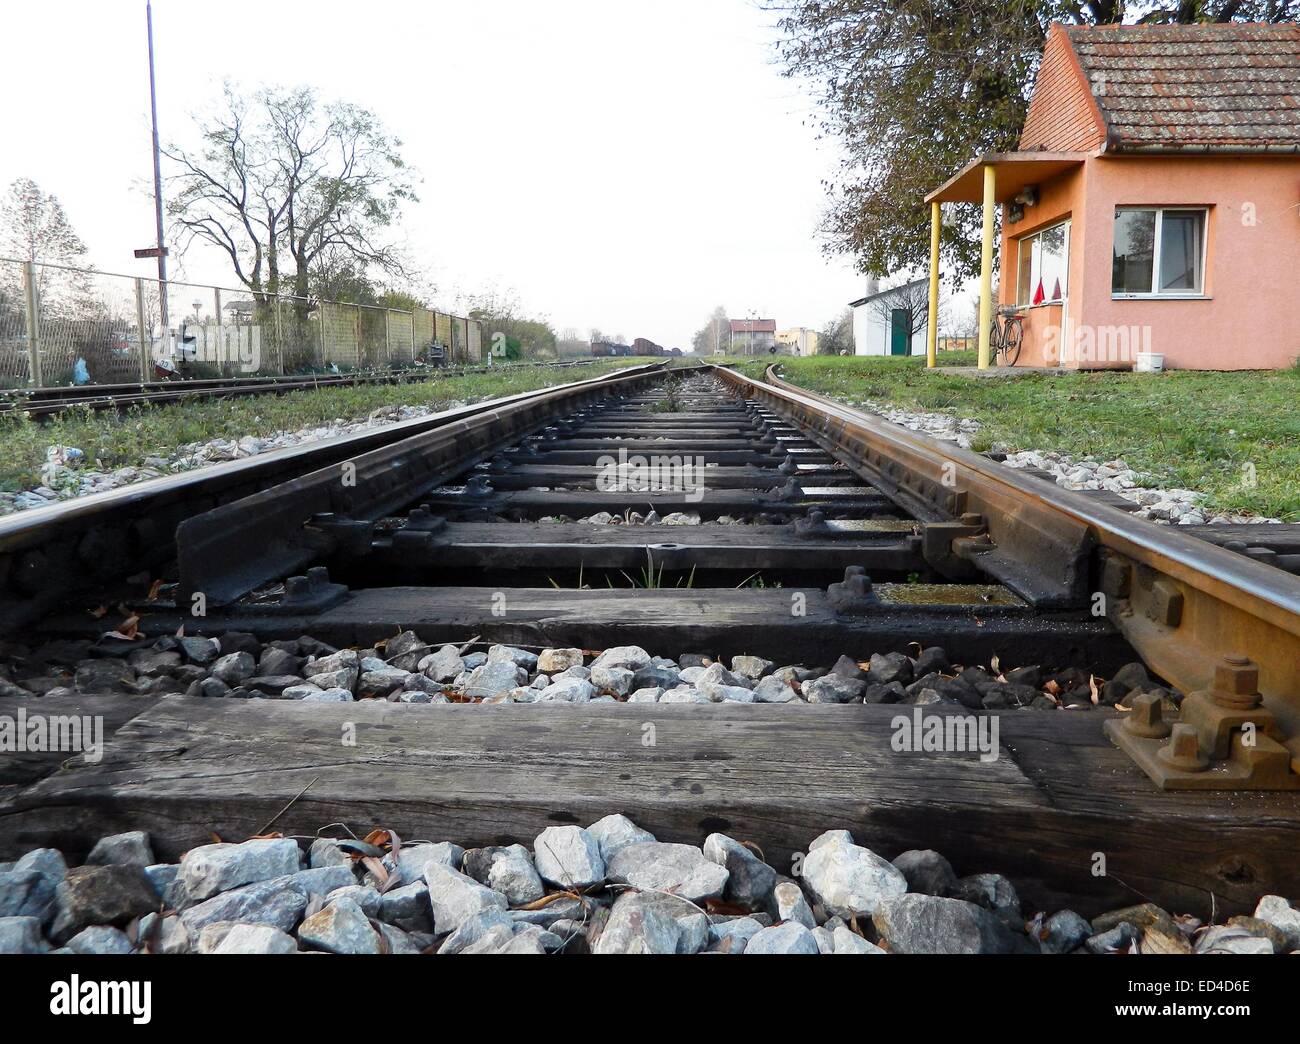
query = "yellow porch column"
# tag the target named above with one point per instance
(932, 329)
(986, 266)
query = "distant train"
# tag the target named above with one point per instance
(641, 346)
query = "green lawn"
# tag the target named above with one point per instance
(1194, 430)
(111, 440)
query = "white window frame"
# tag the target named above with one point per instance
(1155, 294)
(1026, 241)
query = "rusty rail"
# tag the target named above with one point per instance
(49, 553)
(1210, 621)
(224, 553)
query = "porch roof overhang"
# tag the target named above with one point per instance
(1015, 170)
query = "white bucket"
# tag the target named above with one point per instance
(1149, 362)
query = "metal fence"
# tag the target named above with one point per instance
(61, 325)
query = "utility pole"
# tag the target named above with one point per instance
(157, 184)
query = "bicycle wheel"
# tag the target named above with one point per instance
(1015, 334)
(995, 340)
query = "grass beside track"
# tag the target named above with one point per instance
(1189, 429)
(112, 440)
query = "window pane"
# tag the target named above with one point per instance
(1180, 250)
(1024, 288)
(1054, 263)
(1135, 236)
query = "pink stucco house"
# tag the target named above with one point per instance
(1153, 204)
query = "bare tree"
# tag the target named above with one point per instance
(837, 335)
(287, 186)
(911, 298)
(713, 334)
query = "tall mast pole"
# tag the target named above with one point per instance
(157, 183)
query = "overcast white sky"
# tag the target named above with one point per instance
(637, 163)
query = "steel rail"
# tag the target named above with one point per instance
(42, 402)
(48, 552)
(224, 553)
(1183, 603)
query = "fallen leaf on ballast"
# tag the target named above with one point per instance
(546, 900)
(725, 909)
(128, 630)
(377, 868)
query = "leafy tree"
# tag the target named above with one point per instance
(35, 228)
(913, 89)
(400, 299)
(499, 312)
(293, 190)
(341, 280)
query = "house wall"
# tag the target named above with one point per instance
(871, 333)
(1058, 199)
(1062, 116)
(1247, 317)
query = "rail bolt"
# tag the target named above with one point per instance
(1166, 603)
(1183, 751)
(1236, 683)
(1147, 718)
(856, 580)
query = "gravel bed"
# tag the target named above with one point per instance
(1184, 507)
(66, 476)
(609, 888)
(406, 669)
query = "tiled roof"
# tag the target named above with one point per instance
(1194, 87)
(755, 325)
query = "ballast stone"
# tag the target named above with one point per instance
(790, 937)
(341, 927)
(615, 832)
(455, 898)
(131, 849)
(750, 881)
(849, 880)
(664, 867)
(210, 869)
(255, 938)
(932, 924)
(569, 857)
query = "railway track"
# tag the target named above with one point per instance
(40, 403)
(701, 516)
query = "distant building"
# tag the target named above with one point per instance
(798, 340)
(1150, 207)
(241, 309)
(883, 321)
(752, 336)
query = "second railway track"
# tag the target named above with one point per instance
(701, 516)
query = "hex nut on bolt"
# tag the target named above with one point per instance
(1236, 683)
(1147, 717)
(1183, 751)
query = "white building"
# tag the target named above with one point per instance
(884, 320)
